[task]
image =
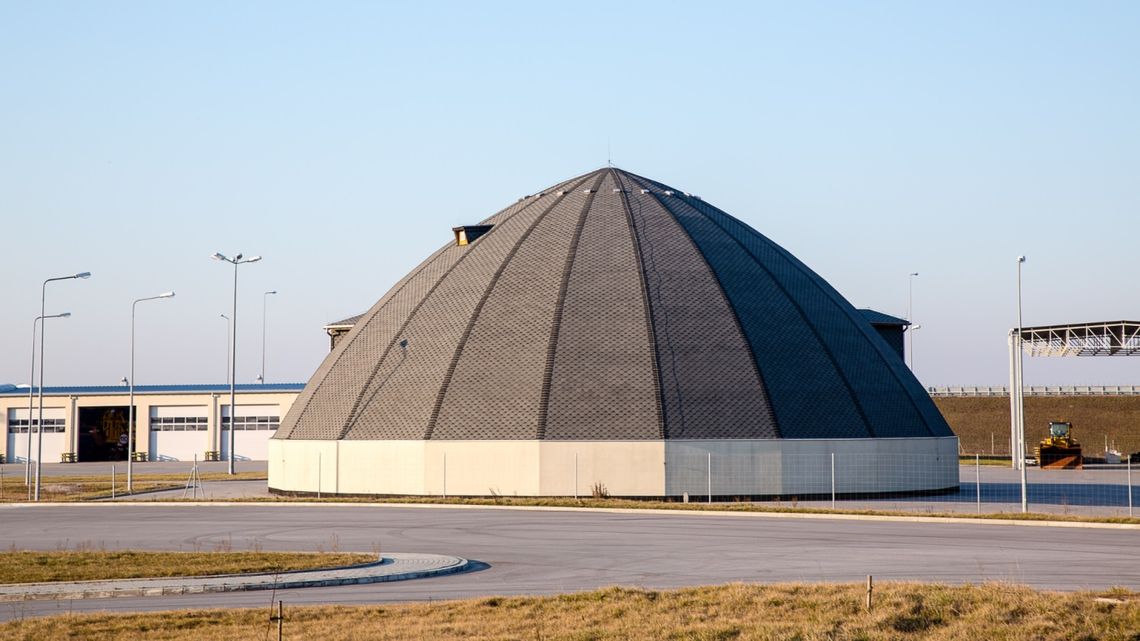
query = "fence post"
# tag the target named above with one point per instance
(833, 480)
(978, 478)
(112, 481)
(1129, 468)
(575, 476)
(710, 476)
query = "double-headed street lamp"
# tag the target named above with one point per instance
(31, 388)
(40, 419)
(131, 406)
(264, 296)
(235, 261)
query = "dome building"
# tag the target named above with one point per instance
(612, 330)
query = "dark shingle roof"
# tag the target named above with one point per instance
(612, 307)
(879, 318)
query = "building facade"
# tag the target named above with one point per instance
(172, 422)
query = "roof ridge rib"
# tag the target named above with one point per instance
(479, 309)
(353, 414)
(641, 182)
(649, 325)
(552, 345)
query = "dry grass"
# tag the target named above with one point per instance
(88, 488)
(1093, 418)
(91, 565)
(902, 612)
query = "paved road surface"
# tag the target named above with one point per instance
(542, 552)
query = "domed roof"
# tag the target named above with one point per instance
(612, 307)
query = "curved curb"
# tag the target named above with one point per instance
(394, 567)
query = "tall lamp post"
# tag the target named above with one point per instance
(31, 386)
(264, 297)
(910, 318)
(1020, 391)
(131, 406)
(235, 261)
(40, 419)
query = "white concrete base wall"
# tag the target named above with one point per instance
(625, 468)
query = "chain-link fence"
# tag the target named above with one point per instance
(917, 484)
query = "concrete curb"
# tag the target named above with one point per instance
(395, 567)
(601, 510)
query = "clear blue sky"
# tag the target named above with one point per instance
(342, 140)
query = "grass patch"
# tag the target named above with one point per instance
(90, 488)
(902, 612)
(93, 565)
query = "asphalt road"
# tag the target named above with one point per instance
(542, 552)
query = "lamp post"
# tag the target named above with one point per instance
(40, 419)
(131, 405)
(1020, 391)
(31, 386)
(910, 318)
(227, 347)
(235, 261)
(264, 297)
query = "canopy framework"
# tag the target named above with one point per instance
(1111, 338)
(1108, 338)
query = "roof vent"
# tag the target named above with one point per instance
(669, 192)
(587, 191)
(619, 191)
(645, 191)
(468, 234)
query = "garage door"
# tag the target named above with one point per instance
(177, 433)
(55, 441)
(255, 425)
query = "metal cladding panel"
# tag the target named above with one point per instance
(603, 385)
(807, 394)
(709, 383)
(399, 400)
(495, 390)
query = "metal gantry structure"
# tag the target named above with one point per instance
(1108, 338)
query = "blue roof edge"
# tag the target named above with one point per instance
(12, 390)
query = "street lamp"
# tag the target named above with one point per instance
(1020, 391)
(264, 297)
(31, 386)
(40, 419)
(235, 261)
(131, 405)
(910, 318)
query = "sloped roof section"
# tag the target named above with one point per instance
(612, 307)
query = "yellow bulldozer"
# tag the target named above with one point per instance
(1060, 451)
